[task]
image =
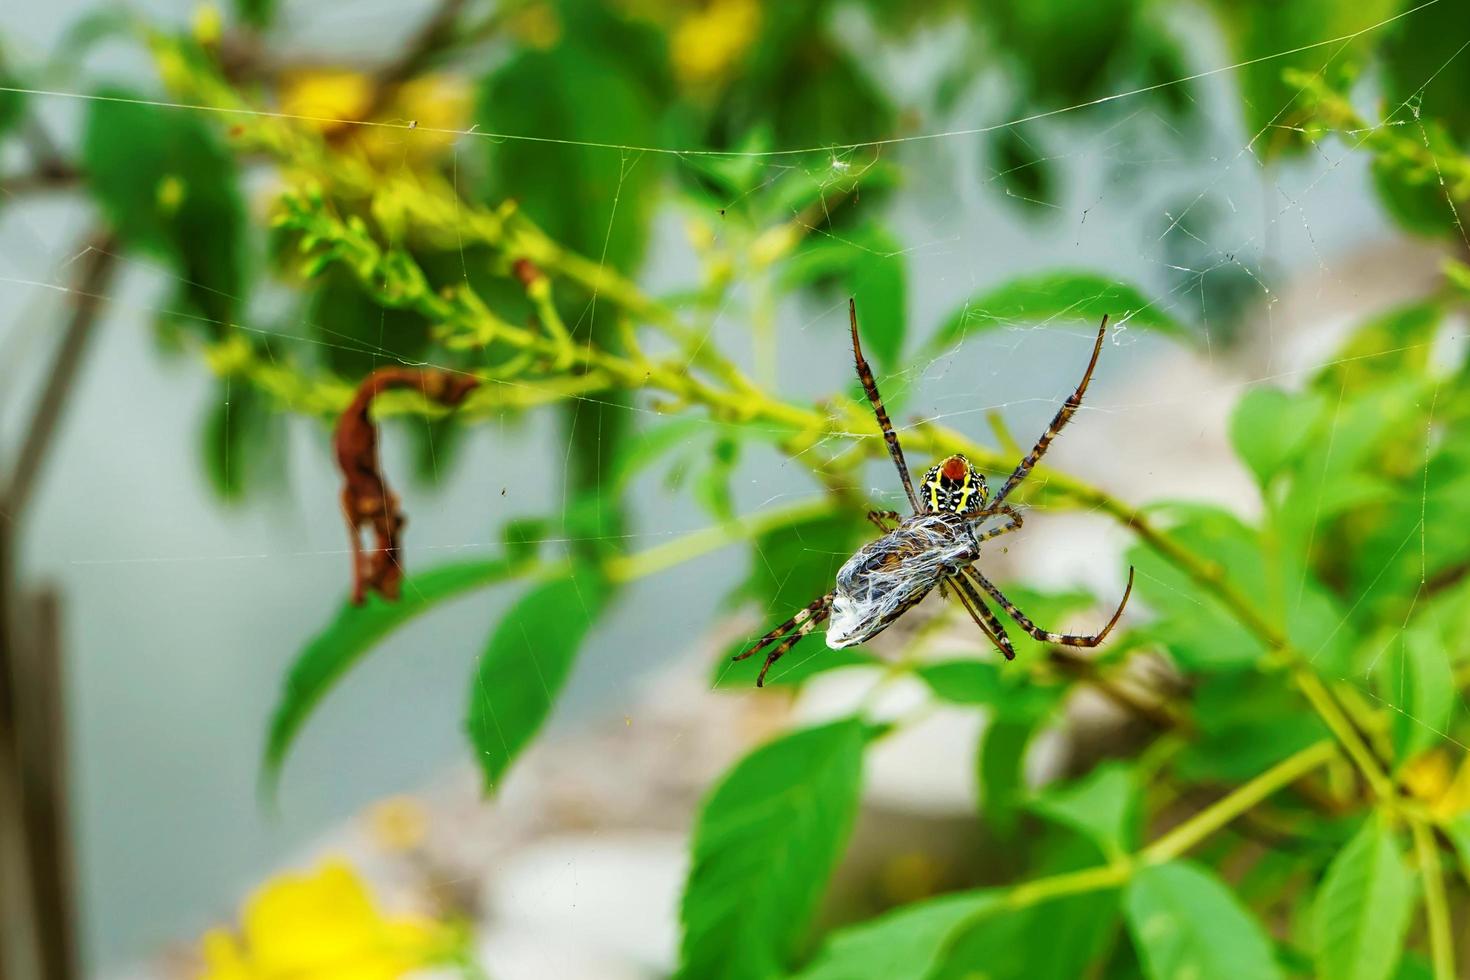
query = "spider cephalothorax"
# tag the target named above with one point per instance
(953, 485)
(937, 546)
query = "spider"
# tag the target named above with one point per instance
(937, 546)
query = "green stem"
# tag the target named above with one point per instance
(1217, 815)
(1436, 909)
(1181, 839)
(642, 564)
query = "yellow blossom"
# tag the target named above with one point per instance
(708, 42)
(321, 925)
(398, 823)
(1431, 777)
(418, 121)
(535, 25)
(207, 24)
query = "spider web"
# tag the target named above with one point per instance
(167, 592)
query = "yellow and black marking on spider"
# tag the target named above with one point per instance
(937, 546)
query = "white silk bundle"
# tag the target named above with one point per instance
(888, 576)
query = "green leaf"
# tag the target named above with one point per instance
(1186, 923)
(167, 184)
(1103, 806)
(1199, 631)
(1057, 938)
(712, 488)
(256, 13)
(242, 441)
(1060, 52)
(866, 263)
(1064, 296)
(355, 631)
(1247, 723)
(1022, 168)
(1362, 911)
(526, 663)
(1268, 37)
(1269, 427)
(1458, 831)
(794, 564)
(766, 840)
(1001, 764)
(975, 682)
(905, 944)
(354, 334)
(1417, 680)
(1421, 66)
(593, 200)
(12, 104)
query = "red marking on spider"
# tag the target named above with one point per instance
(955, 468)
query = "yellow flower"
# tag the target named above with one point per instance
(325, 95)
(708, 42)
(398, 823)
(321, 926)
(1431, 777)
(421, 119)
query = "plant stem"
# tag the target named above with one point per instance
(1436, 909)
(1316, 693)
(1218, 814)
(1177, 841)
(626, 568)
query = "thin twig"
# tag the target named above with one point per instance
(98, 265)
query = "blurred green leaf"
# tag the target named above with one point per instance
(1417, 680)
(355, 631)
(1269, 427)
(12, 104)
(1102, 805)
(256, 13)
(525, 664)
(765, 842)
(794, 564)
(1247, 722)
(592, 200)
(1023, 169)
(1058, 938)
(242, 441)
(1458, 831)
(1268, 37)
(168, 186)
(1058, 296)
(1422, 66)
(1060, 51)
(712, 488)
(1193, 624)
(904, 944)
(1388, 347)
(355, 334)
(1186, 923)
(1001, 767)
(976, 682)
(866, 263)
(1362, 910)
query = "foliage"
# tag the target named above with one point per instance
(1302, 797)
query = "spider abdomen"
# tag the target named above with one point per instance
(887, 577)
